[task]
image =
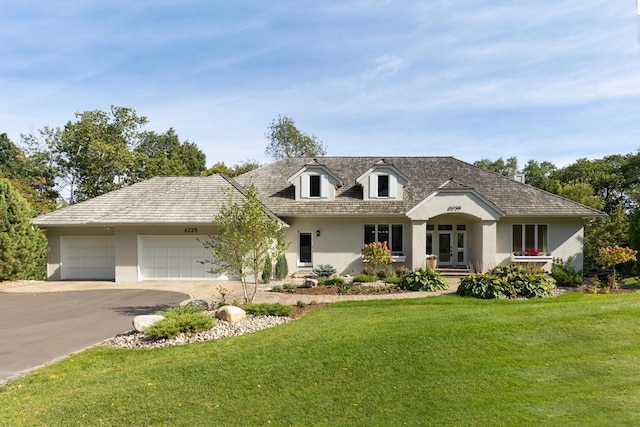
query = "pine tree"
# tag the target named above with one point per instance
(23, 247)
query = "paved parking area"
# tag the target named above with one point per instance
(39, 327)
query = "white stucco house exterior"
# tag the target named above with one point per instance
(331, 207)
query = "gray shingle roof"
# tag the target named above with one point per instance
(196, 200)
(160, 200)
(426, 175)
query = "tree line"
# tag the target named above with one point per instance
(101, 151)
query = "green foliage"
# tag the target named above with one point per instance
(394, 280)
(344, 288)
(277, 288)
(282, 268)
(267, 270)
(177, 320)
(605, 231)
(331, 281)
(364, 278)
(235, 170)
(580, 192)
(245, 236)
(377, 254)
(565, 273)
(500, 166)
(285, 140)
(324, 270)
(289, 287)
(268, 309)
(23, 247)
(164, 155)
(423, 279)
(507, 282)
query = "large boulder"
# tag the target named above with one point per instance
(231, 313)
(199, 303)
(309, 283)
(142, 322)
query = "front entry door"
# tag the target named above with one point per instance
(444, 251)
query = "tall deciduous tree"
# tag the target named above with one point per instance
(245, 236)
(30, 173)
(164, 155)
(94, 154)
(540, 175)
(235, 170)
(22, 246)
(506, 168)
(285, 140)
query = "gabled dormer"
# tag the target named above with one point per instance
(315, 182)
(383, 181)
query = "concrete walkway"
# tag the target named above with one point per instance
(210, 290)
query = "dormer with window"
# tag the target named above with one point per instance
(382, 182)
(315, 182)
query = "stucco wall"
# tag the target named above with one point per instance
(340, 241)
(565, 239)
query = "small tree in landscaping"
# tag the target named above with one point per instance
(246, 236)
(282, 268)
(378, 254)
(611, 256)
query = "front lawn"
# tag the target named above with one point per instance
(570, 360)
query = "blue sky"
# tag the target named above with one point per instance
(544, 80)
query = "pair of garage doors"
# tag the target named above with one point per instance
(159, 257)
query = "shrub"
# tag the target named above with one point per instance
(423, 279)
(324, 270)
(378, 254)
(277, 288)
(393, 280)
(565, 273)
(344, 288)
(289, 287)
(185, 319)
(282, 268)
(331, 281)
(267, 270)
(508, 282)
(269, 309)
(364, 278)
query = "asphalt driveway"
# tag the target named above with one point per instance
(37, 328)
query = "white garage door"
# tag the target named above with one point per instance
(87, 258)
(174, 257)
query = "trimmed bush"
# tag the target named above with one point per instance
(565, 273)
(282, 268)
(365, 278)
(508, 282)
(186, 319)
(269, 309)
(331, 281)
(324, 270)
(423, 279)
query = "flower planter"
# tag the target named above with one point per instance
(432, 263)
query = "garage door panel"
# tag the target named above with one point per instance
(173, 257)
(88, 258)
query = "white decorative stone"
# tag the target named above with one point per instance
(142, 322)
(231, 313)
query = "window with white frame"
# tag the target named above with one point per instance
(314, 186)
(383, 185)
(530, 238)
(393, 234)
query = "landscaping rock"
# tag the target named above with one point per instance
(141, 323)
(198, 303)
(310, 283)
(231, 313)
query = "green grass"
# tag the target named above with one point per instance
(571, 360)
